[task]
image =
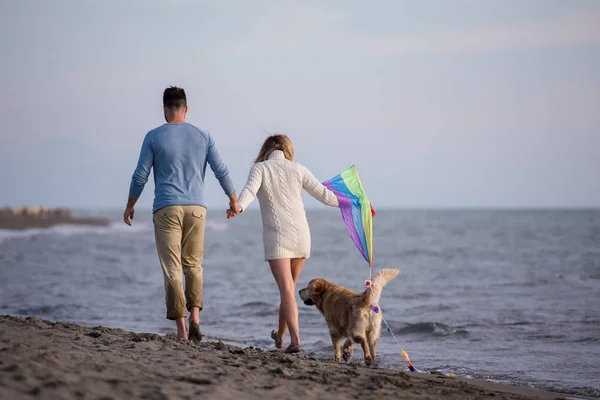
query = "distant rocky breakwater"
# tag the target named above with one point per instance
(43, 217)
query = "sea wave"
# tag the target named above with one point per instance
(216, 226)
(53, 312)
(431, 328)
(114, 227)
(256, 309)
(72, 230)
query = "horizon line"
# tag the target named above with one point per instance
(382, 208)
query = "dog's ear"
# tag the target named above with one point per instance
(317, 288)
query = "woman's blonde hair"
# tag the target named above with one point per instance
(276, 142)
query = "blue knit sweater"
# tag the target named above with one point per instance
(178, 153)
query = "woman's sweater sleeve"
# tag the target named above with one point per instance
(317, 190)
(252, 185)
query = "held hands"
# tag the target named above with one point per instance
(234, 209)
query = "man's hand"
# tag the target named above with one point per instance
(230, 214)
(234, 209)
(129, 211)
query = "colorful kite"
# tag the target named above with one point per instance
(356, 208)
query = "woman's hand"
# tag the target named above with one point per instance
(234, 209)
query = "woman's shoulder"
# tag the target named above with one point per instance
(299, 166)
(295, 165)
(273, 163)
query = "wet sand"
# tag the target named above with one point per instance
(54, 360)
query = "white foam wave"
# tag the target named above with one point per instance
(114, 227)
(216, 226)
(72, 230)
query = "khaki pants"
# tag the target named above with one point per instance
(179, 232)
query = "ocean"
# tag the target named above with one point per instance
(508, 296)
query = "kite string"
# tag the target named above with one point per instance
(390, 331)
(377, 309)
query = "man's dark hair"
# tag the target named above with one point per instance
(174, 98)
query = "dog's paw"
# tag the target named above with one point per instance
(369, 361)
(347, 355)
(337, 358)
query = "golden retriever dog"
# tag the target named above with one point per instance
(350, 315)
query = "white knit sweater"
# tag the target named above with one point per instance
(278, 184)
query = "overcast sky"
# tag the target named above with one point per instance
(460, 103)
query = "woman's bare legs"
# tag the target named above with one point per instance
(282, 272)
(296, 268)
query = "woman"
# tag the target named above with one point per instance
(278, 181)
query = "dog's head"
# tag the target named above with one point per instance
(312, 294)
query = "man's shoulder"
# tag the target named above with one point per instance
(154, 131)
(188, 127)
(203, 132)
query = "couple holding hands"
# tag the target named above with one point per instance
(178, 153)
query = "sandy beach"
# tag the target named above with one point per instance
(55, 360)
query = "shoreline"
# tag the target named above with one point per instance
(61, 360)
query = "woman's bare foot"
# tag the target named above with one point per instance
(293, 348)
(278, 341)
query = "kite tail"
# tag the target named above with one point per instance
(373, 292)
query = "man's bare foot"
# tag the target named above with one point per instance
(195, 335)
(182, 331)
(182, 334)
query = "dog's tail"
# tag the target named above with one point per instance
(373, 293)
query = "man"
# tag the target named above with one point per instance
(179, 152)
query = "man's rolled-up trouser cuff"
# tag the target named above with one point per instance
(175, 300)
(200, 305)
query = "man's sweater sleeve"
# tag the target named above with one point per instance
(142, 171)
(219, 168)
